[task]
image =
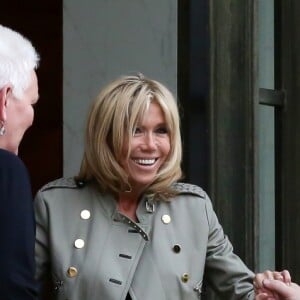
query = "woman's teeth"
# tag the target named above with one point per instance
(145, 161)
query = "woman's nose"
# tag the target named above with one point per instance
(149, 141)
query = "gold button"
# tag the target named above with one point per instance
(85, 214)
(185, 277)
(79, 243)
(166, 219)
(176, 248)
(72, 272)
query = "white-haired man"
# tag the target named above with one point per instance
(18, 93)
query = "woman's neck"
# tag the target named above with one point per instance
(127, 205)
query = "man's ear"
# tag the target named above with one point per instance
(5, 94)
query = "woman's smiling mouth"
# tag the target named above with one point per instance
(145, 161)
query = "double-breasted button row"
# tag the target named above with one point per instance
(84, 215)
(166, 219)
(72, 271)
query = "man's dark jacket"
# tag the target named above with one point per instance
(17, 230)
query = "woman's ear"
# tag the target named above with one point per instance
(5, 94)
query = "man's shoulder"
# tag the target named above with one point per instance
(12, 168)
(14, 181)
(9, 158)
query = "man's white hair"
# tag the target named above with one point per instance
(18, 58)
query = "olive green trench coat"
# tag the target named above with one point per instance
(93, 252)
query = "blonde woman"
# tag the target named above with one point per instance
(125, 228)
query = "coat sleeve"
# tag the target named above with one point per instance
(42, 256)
(224, 270)
(42, 249)
(17, 230)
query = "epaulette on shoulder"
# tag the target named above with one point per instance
(70, 183)
(187, 188)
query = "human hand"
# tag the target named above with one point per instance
(283, 276)
(278, 290)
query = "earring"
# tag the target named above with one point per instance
(129, 189)
(2, 129)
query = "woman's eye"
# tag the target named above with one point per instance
(137, 131)
(162, 130)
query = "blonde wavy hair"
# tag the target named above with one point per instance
(112, 119)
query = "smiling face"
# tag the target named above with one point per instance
(149, 148)
(20, 114)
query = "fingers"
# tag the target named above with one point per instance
(281, 290)
(276, 285)
(283, 276)
(286, 277)
(264, 296)
(259, 277)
